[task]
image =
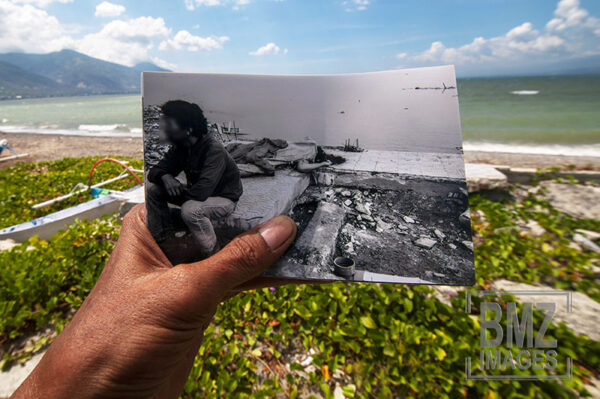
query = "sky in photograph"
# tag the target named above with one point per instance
(480, 37)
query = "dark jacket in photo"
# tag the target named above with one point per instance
(209, 169)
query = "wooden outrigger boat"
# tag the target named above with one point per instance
(106, 203)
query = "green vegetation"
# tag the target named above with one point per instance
(374, 340)
(45, 281)
(505, 252)
(26, 184)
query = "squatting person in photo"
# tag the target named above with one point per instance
(211, 190)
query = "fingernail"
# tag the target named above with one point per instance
(276, 231)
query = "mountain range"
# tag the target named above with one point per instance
(65, 73)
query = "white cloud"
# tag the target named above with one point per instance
(568, 14)
(193, 4)
(269, 49)
(27, 28)
(571, 33)
(356, 5)
(106, 9)
(24, 27)
(124, 42)
(163, 64)
(41, 3)
(184, 40)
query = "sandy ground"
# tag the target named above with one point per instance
(533, 160)
(46, 147)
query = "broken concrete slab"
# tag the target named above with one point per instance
(465, 217)
(468, 245)
(383, 226)
(311, 256)
(425, 242)
(362, 208)
(584, 318)
(318, 239)
(586, 243)
(264, 197)
(533, 229)
(484, 177)
(438, 233)
(408, 219)
(590, 235)
(577, 200)
(445, 293)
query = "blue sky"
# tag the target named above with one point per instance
(481, 37)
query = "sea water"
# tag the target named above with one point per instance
(109, 115)
(547, 115)
(552, 115)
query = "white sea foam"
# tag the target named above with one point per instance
(525, 92)
(589, 150)
(104, 128)
(83, 130)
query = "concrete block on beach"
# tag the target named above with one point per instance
(576, 200)
(484, 177)
(264, 197)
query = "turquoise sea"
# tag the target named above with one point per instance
(558, 114)
(553, 115)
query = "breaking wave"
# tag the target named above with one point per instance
(525, 92)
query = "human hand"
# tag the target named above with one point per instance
(138, 332)
(172, 185)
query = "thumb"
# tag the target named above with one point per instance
(246, 256)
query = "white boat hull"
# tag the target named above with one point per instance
(46, 226)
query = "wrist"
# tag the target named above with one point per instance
(69, 368)
(53, 378)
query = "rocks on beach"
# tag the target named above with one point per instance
(425, 242)
(577, 200)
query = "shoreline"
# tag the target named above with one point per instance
(48, 147)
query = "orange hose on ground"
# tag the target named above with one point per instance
(115, 161)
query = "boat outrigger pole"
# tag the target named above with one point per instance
(80, 187)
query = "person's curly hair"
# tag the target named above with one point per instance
(189, 116)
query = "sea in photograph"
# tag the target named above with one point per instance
(545, 115)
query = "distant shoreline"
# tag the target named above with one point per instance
(47, 147)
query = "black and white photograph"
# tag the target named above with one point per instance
(369, 166)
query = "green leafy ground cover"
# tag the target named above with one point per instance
(373, 340)
(26, 184)
(505, 252)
